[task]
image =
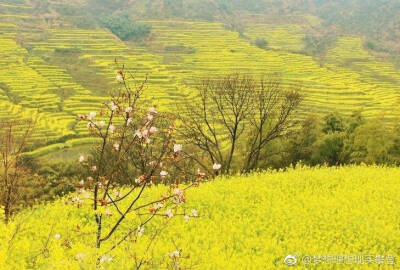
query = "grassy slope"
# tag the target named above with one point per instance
(246, 223)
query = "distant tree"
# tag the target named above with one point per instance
(370, 45)
(333, 123)
(261, 43)
(373, 142)
(124, 28)
(300, 146)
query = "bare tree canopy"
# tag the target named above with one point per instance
(237, 112)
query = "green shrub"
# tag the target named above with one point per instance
(370, 45)
(124, 28)
(261, 43)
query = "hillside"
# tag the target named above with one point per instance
(56, 63)
(244, 222)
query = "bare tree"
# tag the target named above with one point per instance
(218, 116)
(14, 175)
(234, 111)
(271, 118)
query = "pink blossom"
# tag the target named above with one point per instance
(140, 180)
(178, 192)
(153, 130)
(149, 117)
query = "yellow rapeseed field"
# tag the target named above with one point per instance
(245, 222)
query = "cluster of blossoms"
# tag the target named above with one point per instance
(75, 200)
(147, 130)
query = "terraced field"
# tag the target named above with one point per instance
(177, 54)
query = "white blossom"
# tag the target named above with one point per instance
(92, 115)
(158, 206)
(186, 217)
(113, 106)
(149, 117)
(169, 213)
(119, 78)
(128, 109)
(163, 174)
(194, 213)
(152, 110)
(80, 256)
(216, 166)
(57, 236)
(81, 159)
(177, 148)
(116, 146)
(102, 124)
(105, 258)
(111, 128)
(108, 212)
(174, 254)
(140, 230)
(138, 133)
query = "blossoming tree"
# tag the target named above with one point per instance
(137, 150)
